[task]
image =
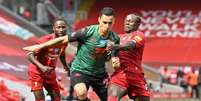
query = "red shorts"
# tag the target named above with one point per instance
(40, 80)
(134, 83)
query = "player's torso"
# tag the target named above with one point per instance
(131, 58)
(49, 56)
(92, 53)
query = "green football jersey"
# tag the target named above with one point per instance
(91, 53)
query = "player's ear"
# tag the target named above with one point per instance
(99, 19)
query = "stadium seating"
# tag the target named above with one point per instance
(8, 94)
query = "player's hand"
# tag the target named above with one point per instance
(46, 69)
(33, 48)
(110, 44)
(115, 62)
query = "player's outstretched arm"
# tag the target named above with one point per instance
(50, 43)
(34, 61)
(125, 46)
(31, 58)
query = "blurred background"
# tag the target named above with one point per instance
(172, 55)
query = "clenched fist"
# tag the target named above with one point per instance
(115, 62)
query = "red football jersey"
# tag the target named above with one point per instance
(47, 56)
(131, 59)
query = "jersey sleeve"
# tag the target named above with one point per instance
(139, 39)
(44, 39)
(78, 35)
(116, 40)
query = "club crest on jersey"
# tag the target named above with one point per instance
(137, 38)
(103, 42)
(56, 50)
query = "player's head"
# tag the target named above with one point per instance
(131, 23)
(59, 27)
(106, 20)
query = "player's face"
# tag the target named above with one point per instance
(59, 28)
(130, 24)
(105, 23)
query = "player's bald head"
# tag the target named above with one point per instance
(135, 17)
(131, 23)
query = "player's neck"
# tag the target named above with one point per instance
(130, 32)
(103, 34)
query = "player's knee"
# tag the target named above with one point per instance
(115, 93)
(113, 96)
(81, 91)
(81, 95)
(112, 92)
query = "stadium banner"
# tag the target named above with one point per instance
(171, 23)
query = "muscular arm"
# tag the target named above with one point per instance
(115, 48)
(50, 43)
(75, 36)
(125, 46)
(114, 52)
(33, 60)
(114, 56)
(56, 41)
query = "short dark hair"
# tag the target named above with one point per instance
(59, 19)
(136, 16)
(108, 11)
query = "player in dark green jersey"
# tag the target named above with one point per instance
(88, 67)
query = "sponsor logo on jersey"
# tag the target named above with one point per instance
(93, 39)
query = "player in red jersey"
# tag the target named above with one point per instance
(41, 71)
(129, 77)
